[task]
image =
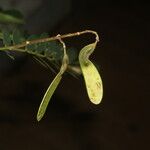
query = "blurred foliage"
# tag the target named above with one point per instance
(12, 33)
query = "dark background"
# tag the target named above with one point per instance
(120, 122)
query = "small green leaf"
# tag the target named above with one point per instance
(54, 50)
(7, 37)
(33, 37)
(91, 75)
(32, 48)
(43, 45)
(17, 36)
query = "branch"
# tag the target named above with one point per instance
(18, 46)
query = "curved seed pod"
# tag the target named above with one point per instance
(91, 75)
(51, 89)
